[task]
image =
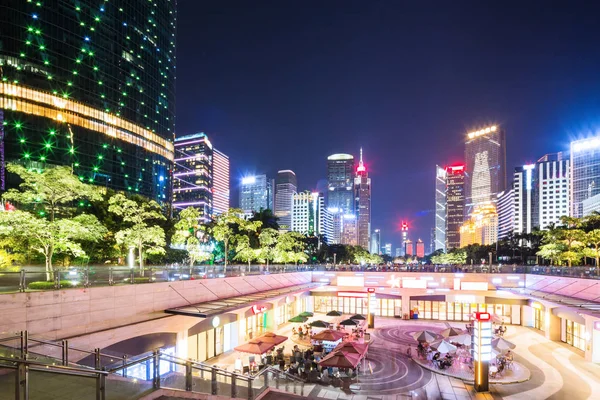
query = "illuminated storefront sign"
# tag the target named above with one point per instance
(482, 340)
(258, 309)
(483, 131)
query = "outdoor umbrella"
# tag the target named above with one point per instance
(443, 347)
(328, 335)
(334, 314)
(358, 317)
(271, 337)
(451, 332)
(298, 319)
(349, 322)
(319, 324)
(352, 347)
(340, 359)
(496, 319)
(306, 314)
(255, 346)
(425, 336)
(502, 344)
(461, 339)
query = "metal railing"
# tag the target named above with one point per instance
(35, 278)
(120, 376)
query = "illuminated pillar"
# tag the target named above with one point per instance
(371, 306)
(482, 342)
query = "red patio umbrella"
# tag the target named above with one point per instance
(340, 359)
(271, 337)
(329, 335)
(352, 348)
(255, 346)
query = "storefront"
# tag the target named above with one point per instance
(286, 309)
(461, 311)
(255, 320)
(539, 312)
(573, 334)
(212, 336)
(357, 303)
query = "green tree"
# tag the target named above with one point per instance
(50, 238)
(231, 226)
(266, 218)
(244, 251)
(574, 241)
(191, 236)
(290, 248)
(268, 240)
(141, 232)
(592, 238)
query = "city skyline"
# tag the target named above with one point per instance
(321, 94)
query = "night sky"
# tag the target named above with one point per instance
(283, 84)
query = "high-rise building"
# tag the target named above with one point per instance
(541, 193)
(506, 213)
(340, 179)
(387, 249)
(404, 230)
(376, 242)
(420, 248)
(309, 215)
(220, 182)
(337, 217)
(398, 252)
(349, 230)
(362, 198)
(481, 227)
(409, 248)
(585, 172)
(485, 161)
(286, 186)
(440, 208)
(91, 85)
(255, 193)
(455, 204)
(193, 175)
(591, 205)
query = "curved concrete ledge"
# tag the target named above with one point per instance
(518, 374)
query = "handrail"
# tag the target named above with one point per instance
(51, 366)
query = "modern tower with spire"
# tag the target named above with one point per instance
(362, 203)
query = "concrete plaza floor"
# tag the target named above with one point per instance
(556, 370)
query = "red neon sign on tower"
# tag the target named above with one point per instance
(404, 226)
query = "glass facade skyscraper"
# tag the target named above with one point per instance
(91, 84)
(220, 182)
(440, 208)
(256, 193)
(455, 204)
(286, 185)
(485, 159)
(585, 172)
(362, 204)
(340, 179)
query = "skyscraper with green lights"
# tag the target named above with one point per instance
(90, 84)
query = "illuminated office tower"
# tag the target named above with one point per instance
(420, 248)
(286, 186)
(440, 208)
(376, 242)
(255, 193)
(409, 248)
(309, 215)
(404, 230)
(398, 252)
(485, 161)
(349, 231)
(340, 182)
(481, 227)
(585, 172)
(362, 198)
(506, 213)
(220, 182)
(91, 85)
(455, 204)
(541, 193)
(193, 176)
(387, 249)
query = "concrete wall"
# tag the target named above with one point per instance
(74, 312)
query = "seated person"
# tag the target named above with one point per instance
(509, 356)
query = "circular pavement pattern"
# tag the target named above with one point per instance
(393, 373)
(403, 334)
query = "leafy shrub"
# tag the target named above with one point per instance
(49, 285)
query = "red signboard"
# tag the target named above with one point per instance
(258, 309)
(482, 316)
(371, 290)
